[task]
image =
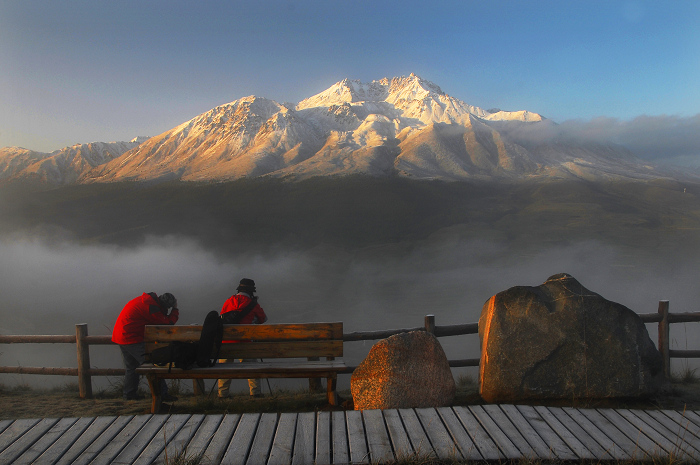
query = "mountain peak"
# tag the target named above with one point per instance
(413, 85)
(349, 91)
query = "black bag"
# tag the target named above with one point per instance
(210, 340)
(181, 354)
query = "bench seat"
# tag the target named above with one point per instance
(287, 351)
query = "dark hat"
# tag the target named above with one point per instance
(167, 299)
(246, 285)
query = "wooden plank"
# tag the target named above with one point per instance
(511, 430)
(678, 424)
(113, 439)
(356, 437)
(203, 435)
(657, 432)
(222, 438)
(461, 438)
(94, 431)
(60, 447)
(15, 431)
(647, 446)
(536, 444)
(4, 424)
(608, 436)
(242, 440)
(134, 444)
(542, 438)
(278, 332)
(568, 437)
(283, 443)
(574, 421)
(292, 349)
(483, 442)
(506, 446)
(178, 445)
(161, 439)
(419, 440)
(693, 416)
(635, 443)
(285, 331)
(263, 349)
(684, 444)
(26, 440)
(378, 441)
(397, 433)
(272, 369)
(323, 439)
(260, 450)
(45, 441)
(341, 450)
(304, 449)
(681, 418)
(443, 444)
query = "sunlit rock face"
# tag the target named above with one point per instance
(407, 370)
(561, 341)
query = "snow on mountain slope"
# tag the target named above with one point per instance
(404, 126)
(351, 127)
(14, 160)
(63, 166)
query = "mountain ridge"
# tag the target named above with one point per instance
(403, 126)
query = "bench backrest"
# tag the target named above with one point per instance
(294, 340)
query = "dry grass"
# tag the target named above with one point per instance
(25, 402)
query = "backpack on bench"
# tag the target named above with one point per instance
(179, 354)
(186, 355)
(210, 340)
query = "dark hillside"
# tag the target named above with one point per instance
(355, 212)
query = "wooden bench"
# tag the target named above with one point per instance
(280, 342)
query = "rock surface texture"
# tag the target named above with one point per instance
(562, 341)
(408, 370)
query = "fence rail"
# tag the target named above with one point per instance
(83, 342)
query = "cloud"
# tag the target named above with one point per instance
(664, 139)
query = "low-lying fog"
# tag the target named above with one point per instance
(47, 289)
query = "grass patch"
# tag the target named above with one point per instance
(24, 402)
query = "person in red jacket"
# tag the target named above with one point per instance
(242, 308)
(147, 309)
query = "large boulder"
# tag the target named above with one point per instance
(562, 341)
(406, 370)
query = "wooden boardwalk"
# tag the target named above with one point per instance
(480, 432)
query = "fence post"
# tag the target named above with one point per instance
(664, 338)
(84, 380)
(430, 323)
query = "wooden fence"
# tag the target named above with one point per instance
(83, 341)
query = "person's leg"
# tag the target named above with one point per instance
(133, 356)
(254, 387)
(253, 383)
(224, 384)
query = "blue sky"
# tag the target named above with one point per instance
(83, 71)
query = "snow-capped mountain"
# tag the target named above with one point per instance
(63, 166)
(403, 126)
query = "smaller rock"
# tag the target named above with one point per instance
(408, 370)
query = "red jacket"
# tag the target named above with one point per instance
(139, 312)
(239, 302)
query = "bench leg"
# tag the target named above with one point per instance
(154, 384)
(331, 385)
